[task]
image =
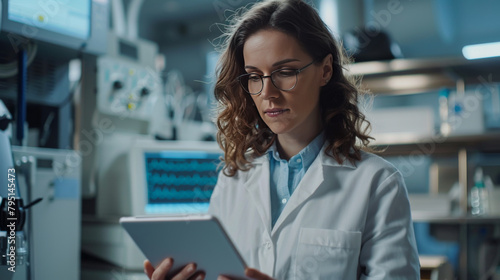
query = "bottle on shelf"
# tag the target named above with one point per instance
(479, 195)
(445, 127)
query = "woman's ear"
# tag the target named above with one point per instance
(327, 69)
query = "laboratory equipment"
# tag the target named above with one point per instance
(183, 105)
(51, 33)
(55, 222)
(118, 127)
(163, 178)
(47, 180)
(479, 200)
(491, 105)
(8, 192)
(128, 84)
(465, 113)
(79, 25)
(444, 127)
(401, 124)
(124, 103)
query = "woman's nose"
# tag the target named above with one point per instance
(268, 89)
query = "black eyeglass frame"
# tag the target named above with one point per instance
(262, 77)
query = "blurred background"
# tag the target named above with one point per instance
(107, 110)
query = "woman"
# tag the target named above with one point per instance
(298, 195)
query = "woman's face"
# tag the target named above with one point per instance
(294, 113)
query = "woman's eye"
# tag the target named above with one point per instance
(254, 78)
(286, 73)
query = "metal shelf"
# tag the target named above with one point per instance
(438, 144)
(463, 219)
(414, 76)
(411, 76)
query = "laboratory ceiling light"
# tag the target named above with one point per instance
(481, 50)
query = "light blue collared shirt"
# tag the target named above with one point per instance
(286, 175)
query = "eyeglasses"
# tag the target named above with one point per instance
(282, 79)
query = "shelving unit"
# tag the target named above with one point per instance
(438, 144)
(457, 220)
(414, 76)
(463, 146)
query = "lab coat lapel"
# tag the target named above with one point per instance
(307, 186)
(260, 193)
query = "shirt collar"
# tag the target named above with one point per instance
(306, 156)
(324, 158)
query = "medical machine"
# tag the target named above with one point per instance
(169, 177)
(12, 220)
(126, 171)
(51, 177)
(39, 210)
(122, 101)
(78, 25)
(128, 85)
(38, 39)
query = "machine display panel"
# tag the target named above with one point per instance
(71, 18)
(180, 181)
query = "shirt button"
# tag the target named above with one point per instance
(299, 160)
(283, 200)
(268, 245)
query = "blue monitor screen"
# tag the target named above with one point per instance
(71, 18)
(180, 181)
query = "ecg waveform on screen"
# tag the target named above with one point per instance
(198, 165)
(182, 194)
(180, 180)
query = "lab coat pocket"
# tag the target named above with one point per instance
(327, 254)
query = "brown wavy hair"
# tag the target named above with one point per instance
(242, 134)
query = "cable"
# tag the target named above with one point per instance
(21, 95)
(10, 69)
(46, 129)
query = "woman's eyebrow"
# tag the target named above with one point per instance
(284, 61)
(275, 64)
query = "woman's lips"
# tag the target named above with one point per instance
(275, 112)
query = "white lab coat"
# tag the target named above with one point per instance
(341, 222)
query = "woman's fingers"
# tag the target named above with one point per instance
(148, 268)
(186, 272)
(161, 271)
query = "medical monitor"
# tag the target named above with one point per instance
(174, 177)
(77, 24)
(61, 17)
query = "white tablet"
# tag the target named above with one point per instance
(188, 238)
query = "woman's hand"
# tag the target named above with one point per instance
(187, 273)
(251, 273)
